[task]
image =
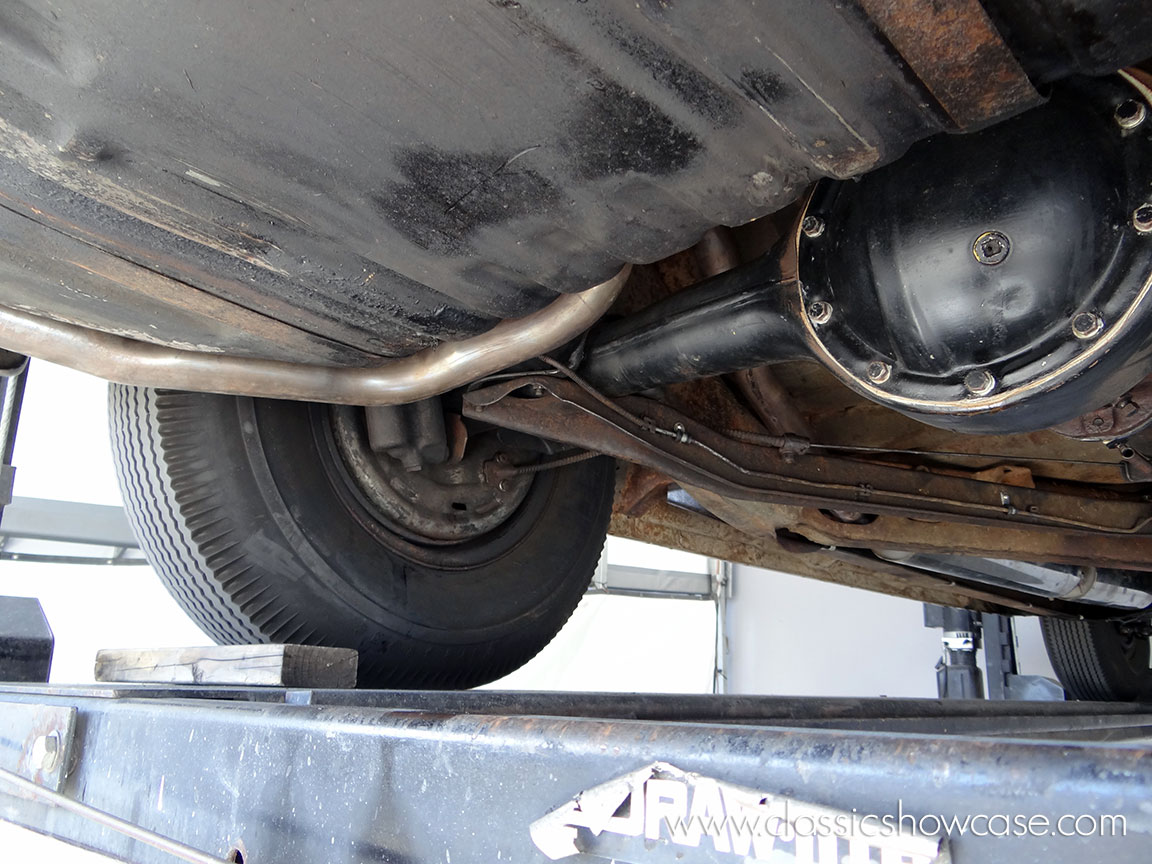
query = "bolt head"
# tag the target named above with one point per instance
(979, 382)
(879, 371)
(819, 312)
(46, 752)
(1142, 218)
(1130, 113)
(1087, 325)
(812, 226)
(991, 248)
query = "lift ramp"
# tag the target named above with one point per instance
(157, 773)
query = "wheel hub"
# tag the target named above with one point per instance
(448, 503)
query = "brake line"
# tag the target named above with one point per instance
(857, 448)
(680, 434)
(520, 470)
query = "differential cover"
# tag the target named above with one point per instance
(998, 281)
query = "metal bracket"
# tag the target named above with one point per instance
(36, 742)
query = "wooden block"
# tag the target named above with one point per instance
(248, 665)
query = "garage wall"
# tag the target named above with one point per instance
(790, 635)
(787, 634)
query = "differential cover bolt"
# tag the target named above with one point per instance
(991, 248)
(1142, 218)
(812, 226)
(1130, 113)
(819, 312)
(1087, 325)
(879, 372)
(979, 382)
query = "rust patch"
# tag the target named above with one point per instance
(772, 403)
(46, 764)
(840, 416)
(1120, 418)
(1131, 552)
(955, 50)
(755, 489)
(710, 400)
(651, 283)
(1008, 475)
(675, 528)
(667, 440)
(717, 252)
(641, 489)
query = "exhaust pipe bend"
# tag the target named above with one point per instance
(428, 373)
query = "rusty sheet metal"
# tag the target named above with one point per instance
(710, 400)
(640, 490)
(764, 519)
(954, 48)
(676, 528)
(842, 417)
(771, 402)
(651, 283)
(1009, 475)
(1120, 418)
(640, 430)
(1104, 550)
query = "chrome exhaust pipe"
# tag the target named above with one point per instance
(1099, 586)
(429, 373)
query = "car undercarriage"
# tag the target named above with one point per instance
(854, 290)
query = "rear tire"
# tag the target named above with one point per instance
(1097, 661)
(248, 514)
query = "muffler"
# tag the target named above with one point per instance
(1099, 586)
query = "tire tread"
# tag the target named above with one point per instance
(166, 467)
(1075, 656)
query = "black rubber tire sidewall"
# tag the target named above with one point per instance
(1092, 663)
(284, 547)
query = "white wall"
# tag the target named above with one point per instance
(790, 635)
(796, 636)
(62, 446)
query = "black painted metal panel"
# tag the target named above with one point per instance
(386, 175)
(26, 640)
